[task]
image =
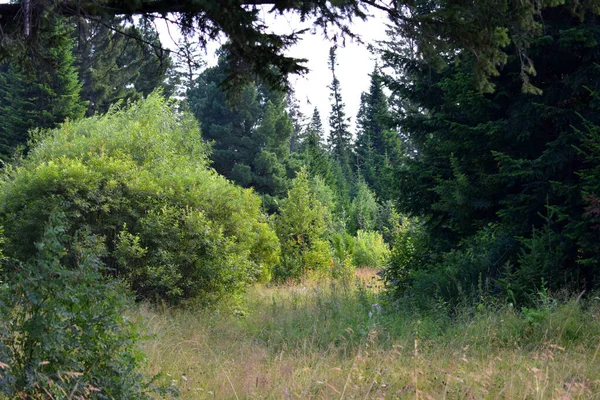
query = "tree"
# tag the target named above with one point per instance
(301, 227)
(313, 152)
(340, 138)
(120, 62)
(378, 144)
(298, 121)
(364, 210)
(43, 95)
(251, 134)
(498, 176)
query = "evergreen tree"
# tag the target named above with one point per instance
(250, 133)
(340, 138)
(298, 122)
(122, 63)
(377, 143)
(42, 96)
(364, 210)
(506, 164)
(437, 28)
(315, 156)
(301, 227)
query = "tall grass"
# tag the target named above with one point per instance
(331, 340)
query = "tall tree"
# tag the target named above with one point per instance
(378, 143)
(251, 134)
(340, 138)
(43, 95)
(512, 159)
(298, 121)
(117, 61)
(315, 156)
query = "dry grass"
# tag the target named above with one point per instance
(318, 341)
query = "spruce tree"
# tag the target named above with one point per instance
(340, 139)
(298, 122)
(125, 64)
(250, 133)
(314, 154)
(377, 144)
(43, 95)
(508, 164)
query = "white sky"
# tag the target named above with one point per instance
(355, 63)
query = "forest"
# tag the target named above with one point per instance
(174, 229)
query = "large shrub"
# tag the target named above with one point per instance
(139, 178)
(301, 227)
(370, 250)
(62, 329)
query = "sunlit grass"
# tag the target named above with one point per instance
(329, 340)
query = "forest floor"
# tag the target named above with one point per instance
(329, 340)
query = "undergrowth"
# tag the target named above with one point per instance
(335, 340)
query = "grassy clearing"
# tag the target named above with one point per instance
(328, 340)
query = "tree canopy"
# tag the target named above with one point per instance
(435, 28)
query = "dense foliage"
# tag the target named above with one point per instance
(41, 95)
(301, 227)
(502, 180)
(117, 61)
(251, 134)
(436, 28)
(63, 333)
(139, 179)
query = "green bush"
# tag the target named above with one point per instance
(460, 276)
(370, 250)
(301, 227)
(363, 210)
(139, 178)
(62, 329)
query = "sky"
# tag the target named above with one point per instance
(355, 62)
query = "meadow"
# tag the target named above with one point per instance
(330, 339)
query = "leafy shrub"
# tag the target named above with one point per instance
(370, 250)
(363, 210)
(138, 177)
(301, 227)
(458, 276)
(411, 252)
(62, 329)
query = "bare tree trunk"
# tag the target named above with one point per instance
(26, 18)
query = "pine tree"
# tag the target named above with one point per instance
(117, 66)
(377, 144)
(340, 138)
(250, 133)
(42, 96)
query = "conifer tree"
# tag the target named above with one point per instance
(377, 144)
(315, 155)
(506, 165)
(340, 138)
(298, 122)
(117, 66)
(43, 95)
(301, 227)
(250, 133)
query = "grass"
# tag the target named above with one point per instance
(329, 340)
